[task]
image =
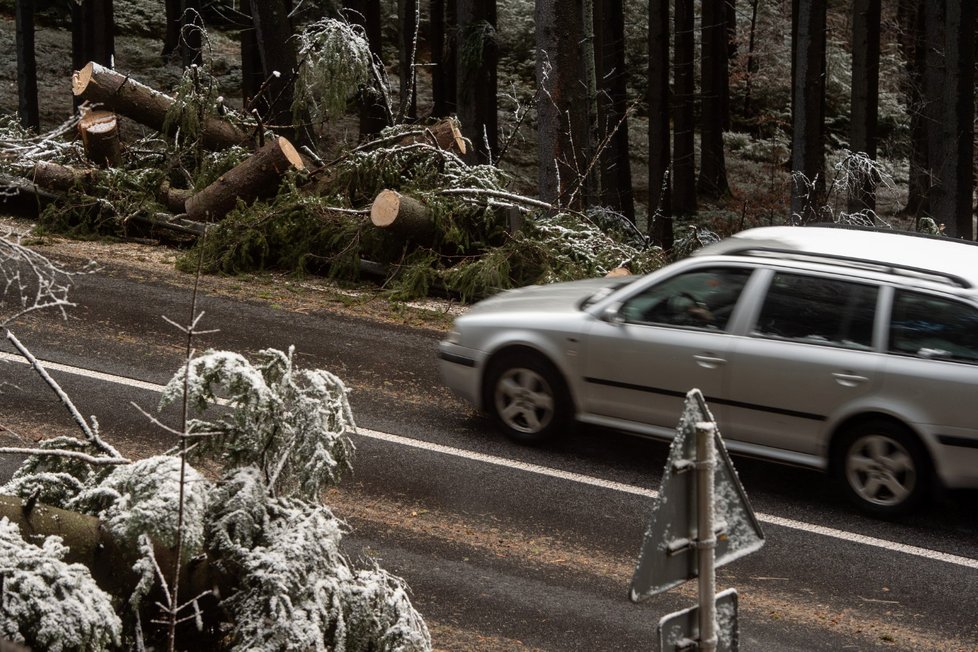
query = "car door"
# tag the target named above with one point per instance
(663, 341)
(809, 352)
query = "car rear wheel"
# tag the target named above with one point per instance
(884, 468)
(527, 398)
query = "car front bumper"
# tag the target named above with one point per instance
(461, 371)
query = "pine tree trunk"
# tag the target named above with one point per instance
(683, 158)
(171, 37)
(476, 92)
(660, 184)
(402, 215)
(865, 94)
(373, 113)
(121, 94)
(712, 181)
(276, 44)
(614, 160)
(912, 47)
(257, 177)
(408, 13)
(252, 74)
(561, 122)
(808, 111)
(27, 107)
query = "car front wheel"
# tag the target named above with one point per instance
(527, 398)
(884, 468)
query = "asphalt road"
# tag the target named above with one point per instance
(506, 547)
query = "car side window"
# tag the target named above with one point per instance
(704, 298)
(929, 326)
(818, 310)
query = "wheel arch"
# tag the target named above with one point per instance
(841, 430)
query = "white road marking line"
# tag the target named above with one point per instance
(852, 537)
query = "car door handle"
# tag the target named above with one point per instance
(849, 380)
(709, 361)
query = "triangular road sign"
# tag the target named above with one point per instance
(668, 556)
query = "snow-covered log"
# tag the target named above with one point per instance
(99, 132)
(402, 215)
(97, 84)
(256, 177)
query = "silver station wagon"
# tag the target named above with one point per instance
(850, 351)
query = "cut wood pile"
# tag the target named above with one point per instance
(406, 206)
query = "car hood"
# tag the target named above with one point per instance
(547, 298)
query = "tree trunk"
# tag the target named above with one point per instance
(752, 64)
(20, 197)
(683, 158)
(171, 37)
(54, 176)
(561, 122)
(949, 86)
(99, 132)
(437, 37)
(404, 216)
(911, 43)
(660, 184)
(27, 108)
(476, 92)
(808, 111)
(731, 45)
(713, 66)
(613, 156)
(276, 46)
(865, 94)
(121, 94)
(408, 12)
(257, 177)
(252, 75)
(111, 565)
(373, 112)
(444, 134)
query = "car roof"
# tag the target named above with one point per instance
(931, 258)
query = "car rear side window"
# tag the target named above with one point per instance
(929, 326)
(818, 310)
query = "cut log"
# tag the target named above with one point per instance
(175, 199)
(404, 216)
(116, 92)
(257, 177)
(444, 134)
(100, 136)
(55, 176)
(22, 198)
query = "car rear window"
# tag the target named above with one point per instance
(818, 310)
(929, 326)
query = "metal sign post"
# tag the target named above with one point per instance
(702, 519)
(706, 541)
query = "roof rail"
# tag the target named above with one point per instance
(853, 262)
(884, 229)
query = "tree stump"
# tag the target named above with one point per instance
(116, 92)
(259, 176)
(404, 216)
(100, 136)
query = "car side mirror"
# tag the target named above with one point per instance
(612, 314)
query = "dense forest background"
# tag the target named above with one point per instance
(686, 119)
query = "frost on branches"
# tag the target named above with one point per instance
(281, 435)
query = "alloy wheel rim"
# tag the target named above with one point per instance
(524, 400)
(881, 470)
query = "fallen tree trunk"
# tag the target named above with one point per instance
(55, 176)
(100, 85)
(22, 198)
(257, 177)
(444, 134)
(110, 564)
(404, 216)
(175, 199)
(100, 137)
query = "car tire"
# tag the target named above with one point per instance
(884, 468)
(527, 398)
